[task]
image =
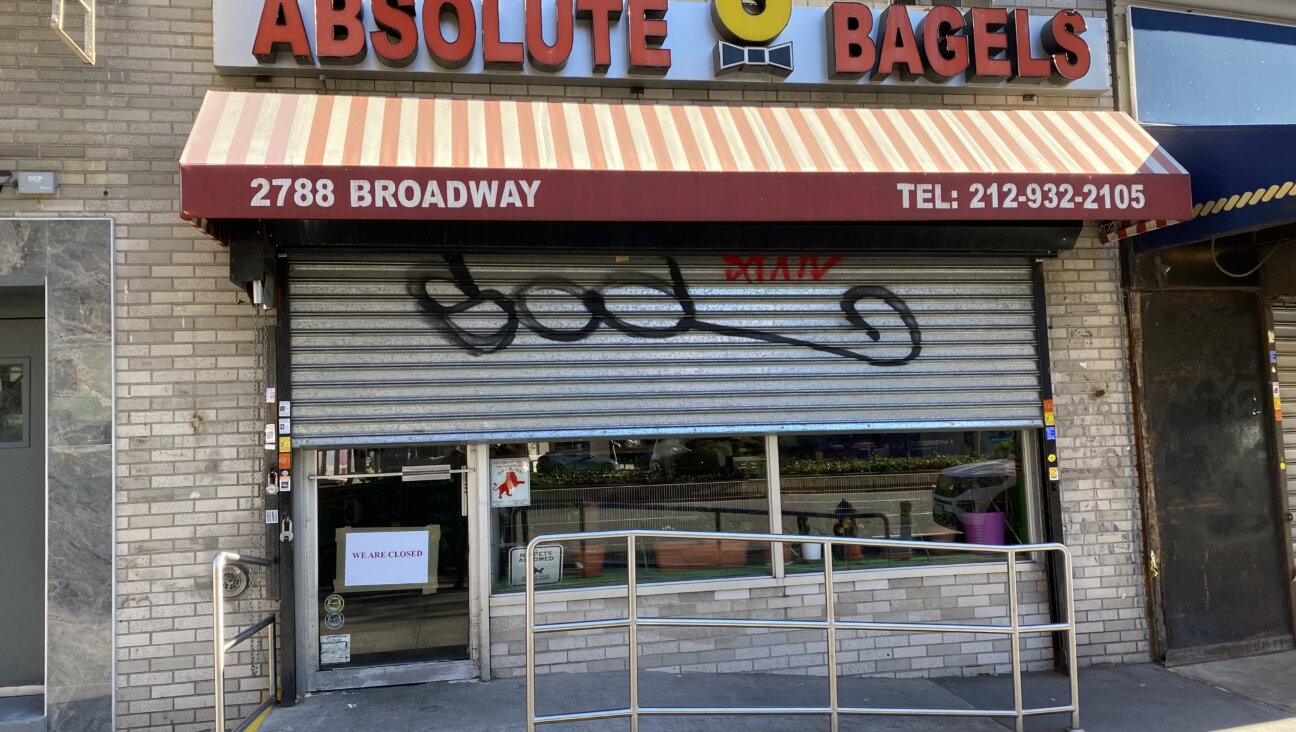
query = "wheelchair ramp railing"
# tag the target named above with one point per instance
(835, 709)
(220, 646)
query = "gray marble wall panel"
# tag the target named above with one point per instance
(73, 257)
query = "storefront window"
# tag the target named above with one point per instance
(965, 487)
(691, 484)
(960, 487)
(13, 398)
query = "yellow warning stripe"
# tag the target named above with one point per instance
(1242, 200)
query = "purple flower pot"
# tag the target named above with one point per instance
(984, 528)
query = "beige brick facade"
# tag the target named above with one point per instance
(189, 407)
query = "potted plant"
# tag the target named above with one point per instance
(846, 527)
(811, 551)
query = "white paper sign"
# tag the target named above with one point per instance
(548, 565)
(386, 558)
(510, 482)
(335, 648)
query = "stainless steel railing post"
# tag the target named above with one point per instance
(271, 666)
(220, 646)
(632, 614)
(530, 637)
(218, 633)
(1014, 622)
(1073, 668)
(830, 615)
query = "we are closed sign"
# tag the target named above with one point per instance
(388, 558)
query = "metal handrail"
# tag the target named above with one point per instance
(632, 622)
(220, 646)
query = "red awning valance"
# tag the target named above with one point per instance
(284, 156)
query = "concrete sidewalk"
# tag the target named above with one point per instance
(1137, 697)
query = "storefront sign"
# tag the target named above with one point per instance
(667, 42)
(510, 483)
(387, 558)
(547, 566)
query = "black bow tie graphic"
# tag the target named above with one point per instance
(774, 59)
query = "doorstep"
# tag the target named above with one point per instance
(22, 714)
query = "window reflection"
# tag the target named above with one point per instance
(951, 487)
(12, 389)
(683, 484)
(937, 486)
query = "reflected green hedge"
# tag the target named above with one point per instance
(789, 467)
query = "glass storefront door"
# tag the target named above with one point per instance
(388, 583)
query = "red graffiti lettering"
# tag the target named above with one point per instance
(753, 269)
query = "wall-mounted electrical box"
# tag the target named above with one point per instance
(37, 184)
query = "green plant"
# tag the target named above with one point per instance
(844, 466)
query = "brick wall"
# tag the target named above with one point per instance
(189, 411)
(1094, 403)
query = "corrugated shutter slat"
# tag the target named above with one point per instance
(1285, 341)
(683, 345)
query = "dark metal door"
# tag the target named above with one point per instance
(22, 501)
(1220, 574)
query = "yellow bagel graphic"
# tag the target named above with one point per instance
(736, 23)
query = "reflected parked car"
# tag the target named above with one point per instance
(570, 461)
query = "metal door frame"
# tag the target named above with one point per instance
(1285, 507)
(309, 676)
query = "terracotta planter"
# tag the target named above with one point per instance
(678, 556)
(897, 553)
(589, 559)
(946, 535)
(787, 552)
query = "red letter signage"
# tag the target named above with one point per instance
(852, 54)
(897, 45)
(601, 14)
(339, 31)
(1071, 58)
(647, 33)
(542, 55)
(281, 28)
(989, 41)
(396, 40)
(498, 54)
(944, 51)
(1025, 66)
(450, 54)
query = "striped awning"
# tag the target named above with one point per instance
(284, 156)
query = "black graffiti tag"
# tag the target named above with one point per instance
(516, 311)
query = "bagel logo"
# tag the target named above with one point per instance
(747, 27)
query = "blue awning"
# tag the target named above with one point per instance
(1243, 179)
